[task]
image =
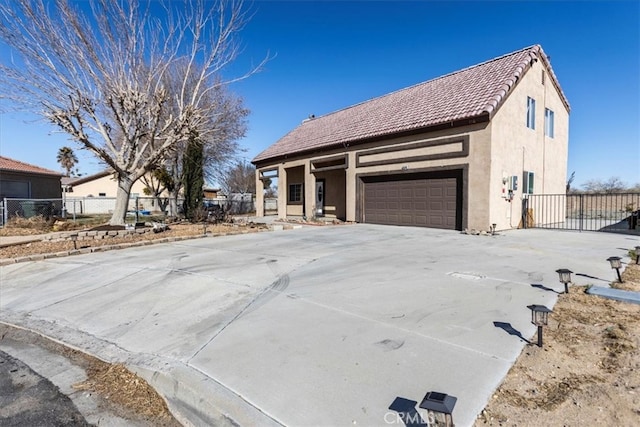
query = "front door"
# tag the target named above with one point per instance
(320, 197)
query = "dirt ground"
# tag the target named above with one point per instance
(586, 373)
(175, 230)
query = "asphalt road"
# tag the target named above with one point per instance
(28, 399)
(316, 326)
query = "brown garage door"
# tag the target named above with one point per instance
(424, 200)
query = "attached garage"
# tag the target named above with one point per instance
(423, 199)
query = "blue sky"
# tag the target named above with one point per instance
(329, 55)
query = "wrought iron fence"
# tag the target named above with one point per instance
(583, 212)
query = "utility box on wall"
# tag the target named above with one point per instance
(509, 186)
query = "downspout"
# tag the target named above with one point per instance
(544, 134)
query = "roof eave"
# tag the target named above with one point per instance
(480, 118)
(31, 172)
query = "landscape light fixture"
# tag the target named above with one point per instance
(540, 318)
(440, 407)
(616, 264)
(637, 254)
(565, 277)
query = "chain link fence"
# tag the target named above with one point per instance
(27, 208)
(139, 208)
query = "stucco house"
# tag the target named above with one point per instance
(459, 151)
(96, 193)
(22, 180)
(101, 184)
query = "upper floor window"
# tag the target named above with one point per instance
(548, 122)
(295, 193)
(531, 113)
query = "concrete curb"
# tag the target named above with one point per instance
(192, 397)
(615, 294)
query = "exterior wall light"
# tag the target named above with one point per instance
(540, 318)
(440, 407)
(565, 277)
(616, 264)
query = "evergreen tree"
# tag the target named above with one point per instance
(193, 177)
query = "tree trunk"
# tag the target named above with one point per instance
(122, 201)
(173, 203)
(162, 202)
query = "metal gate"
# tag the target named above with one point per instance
(583, 212)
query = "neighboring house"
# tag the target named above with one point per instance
(460, 151)
(212, 193)
(97, 193)
(22, 180)
(101, 184)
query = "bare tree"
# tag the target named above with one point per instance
(227, 122)
(572, 177)
(98, 71)
(240, 178)
(611, 185)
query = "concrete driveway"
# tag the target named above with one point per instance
(315, 326)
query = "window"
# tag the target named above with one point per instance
(527, 182)
(531, 113)
(548, 123)
(295, 193)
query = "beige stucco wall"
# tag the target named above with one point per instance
(335, 205)
(342, 184)
(295, 175)
(106, 184)
(515, 148)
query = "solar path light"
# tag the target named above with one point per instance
(540, 318)
(565, 277)
(616, 264)
(440, 407)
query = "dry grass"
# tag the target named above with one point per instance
(587, 373)
(18, 226)
(117, 384)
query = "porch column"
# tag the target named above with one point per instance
(350, 190)
(259, 195)
(282, 192)
(309, 191)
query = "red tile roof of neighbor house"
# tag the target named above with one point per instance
(472, 93)
(7, 164)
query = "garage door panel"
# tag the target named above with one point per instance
(427, 200)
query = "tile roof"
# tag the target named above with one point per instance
(7, 164)
(474, 92)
